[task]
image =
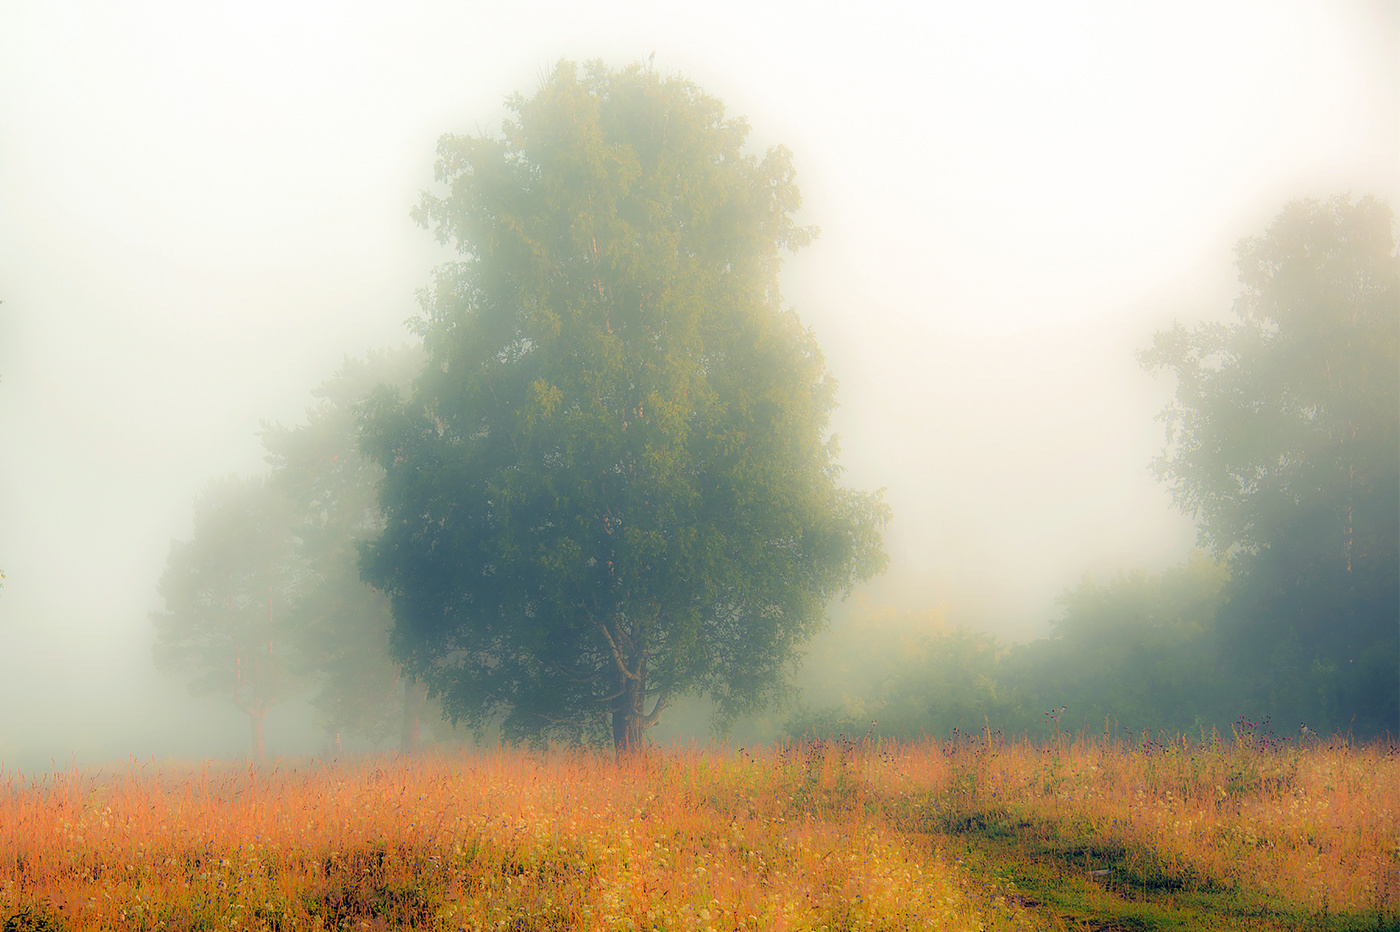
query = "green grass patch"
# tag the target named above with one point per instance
(1073, 878)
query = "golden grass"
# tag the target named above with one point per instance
(827, 835)
(698, 840)
(1311, 828)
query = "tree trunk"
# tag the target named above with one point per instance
(627, 716)
(415, 694)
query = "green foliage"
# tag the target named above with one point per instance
(266, 601)
(1284, 441)
(339, 625)
(1288, 417)
(901, 674)
(1139, 649)
(614, 479)
(227, 592)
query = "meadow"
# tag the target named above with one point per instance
(978, 832)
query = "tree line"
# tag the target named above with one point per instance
(1282, 443)
(605, 479)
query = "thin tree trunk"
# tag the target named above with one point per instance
(629, 679)
(627, 716)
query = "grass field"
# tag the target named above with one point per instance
(973, 833)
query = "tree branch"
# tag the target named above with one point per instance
(661, 703)
(617, 654)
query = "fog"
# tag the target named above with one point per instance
(205, 207)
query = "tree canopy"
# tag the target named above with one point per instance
(1284, 441)
(614, 482)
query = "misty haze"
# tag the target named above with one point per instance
(748, 466)
(206, 236)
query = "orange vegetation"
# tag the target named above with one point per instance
(1315, 827)
(825, 835)
(695, 840)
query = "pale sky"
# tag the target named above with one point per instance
(204, 208)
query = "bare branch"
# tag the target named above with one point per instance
(661, 703)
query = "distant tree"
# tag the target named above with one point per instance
(1140, 649)
(899, 674)
(614, 482)
(1283, 443)
(339, 625)
(226, 593)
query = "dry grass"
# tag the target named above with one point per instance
(505, 840)
(1309, 828)
(827, 835)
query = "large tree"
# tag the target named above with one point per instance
(614, 482)
(227, 591)
(1283, 442)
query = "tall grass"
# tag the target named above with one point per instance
(824, 834)
(1311, 826)
(696, 840)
